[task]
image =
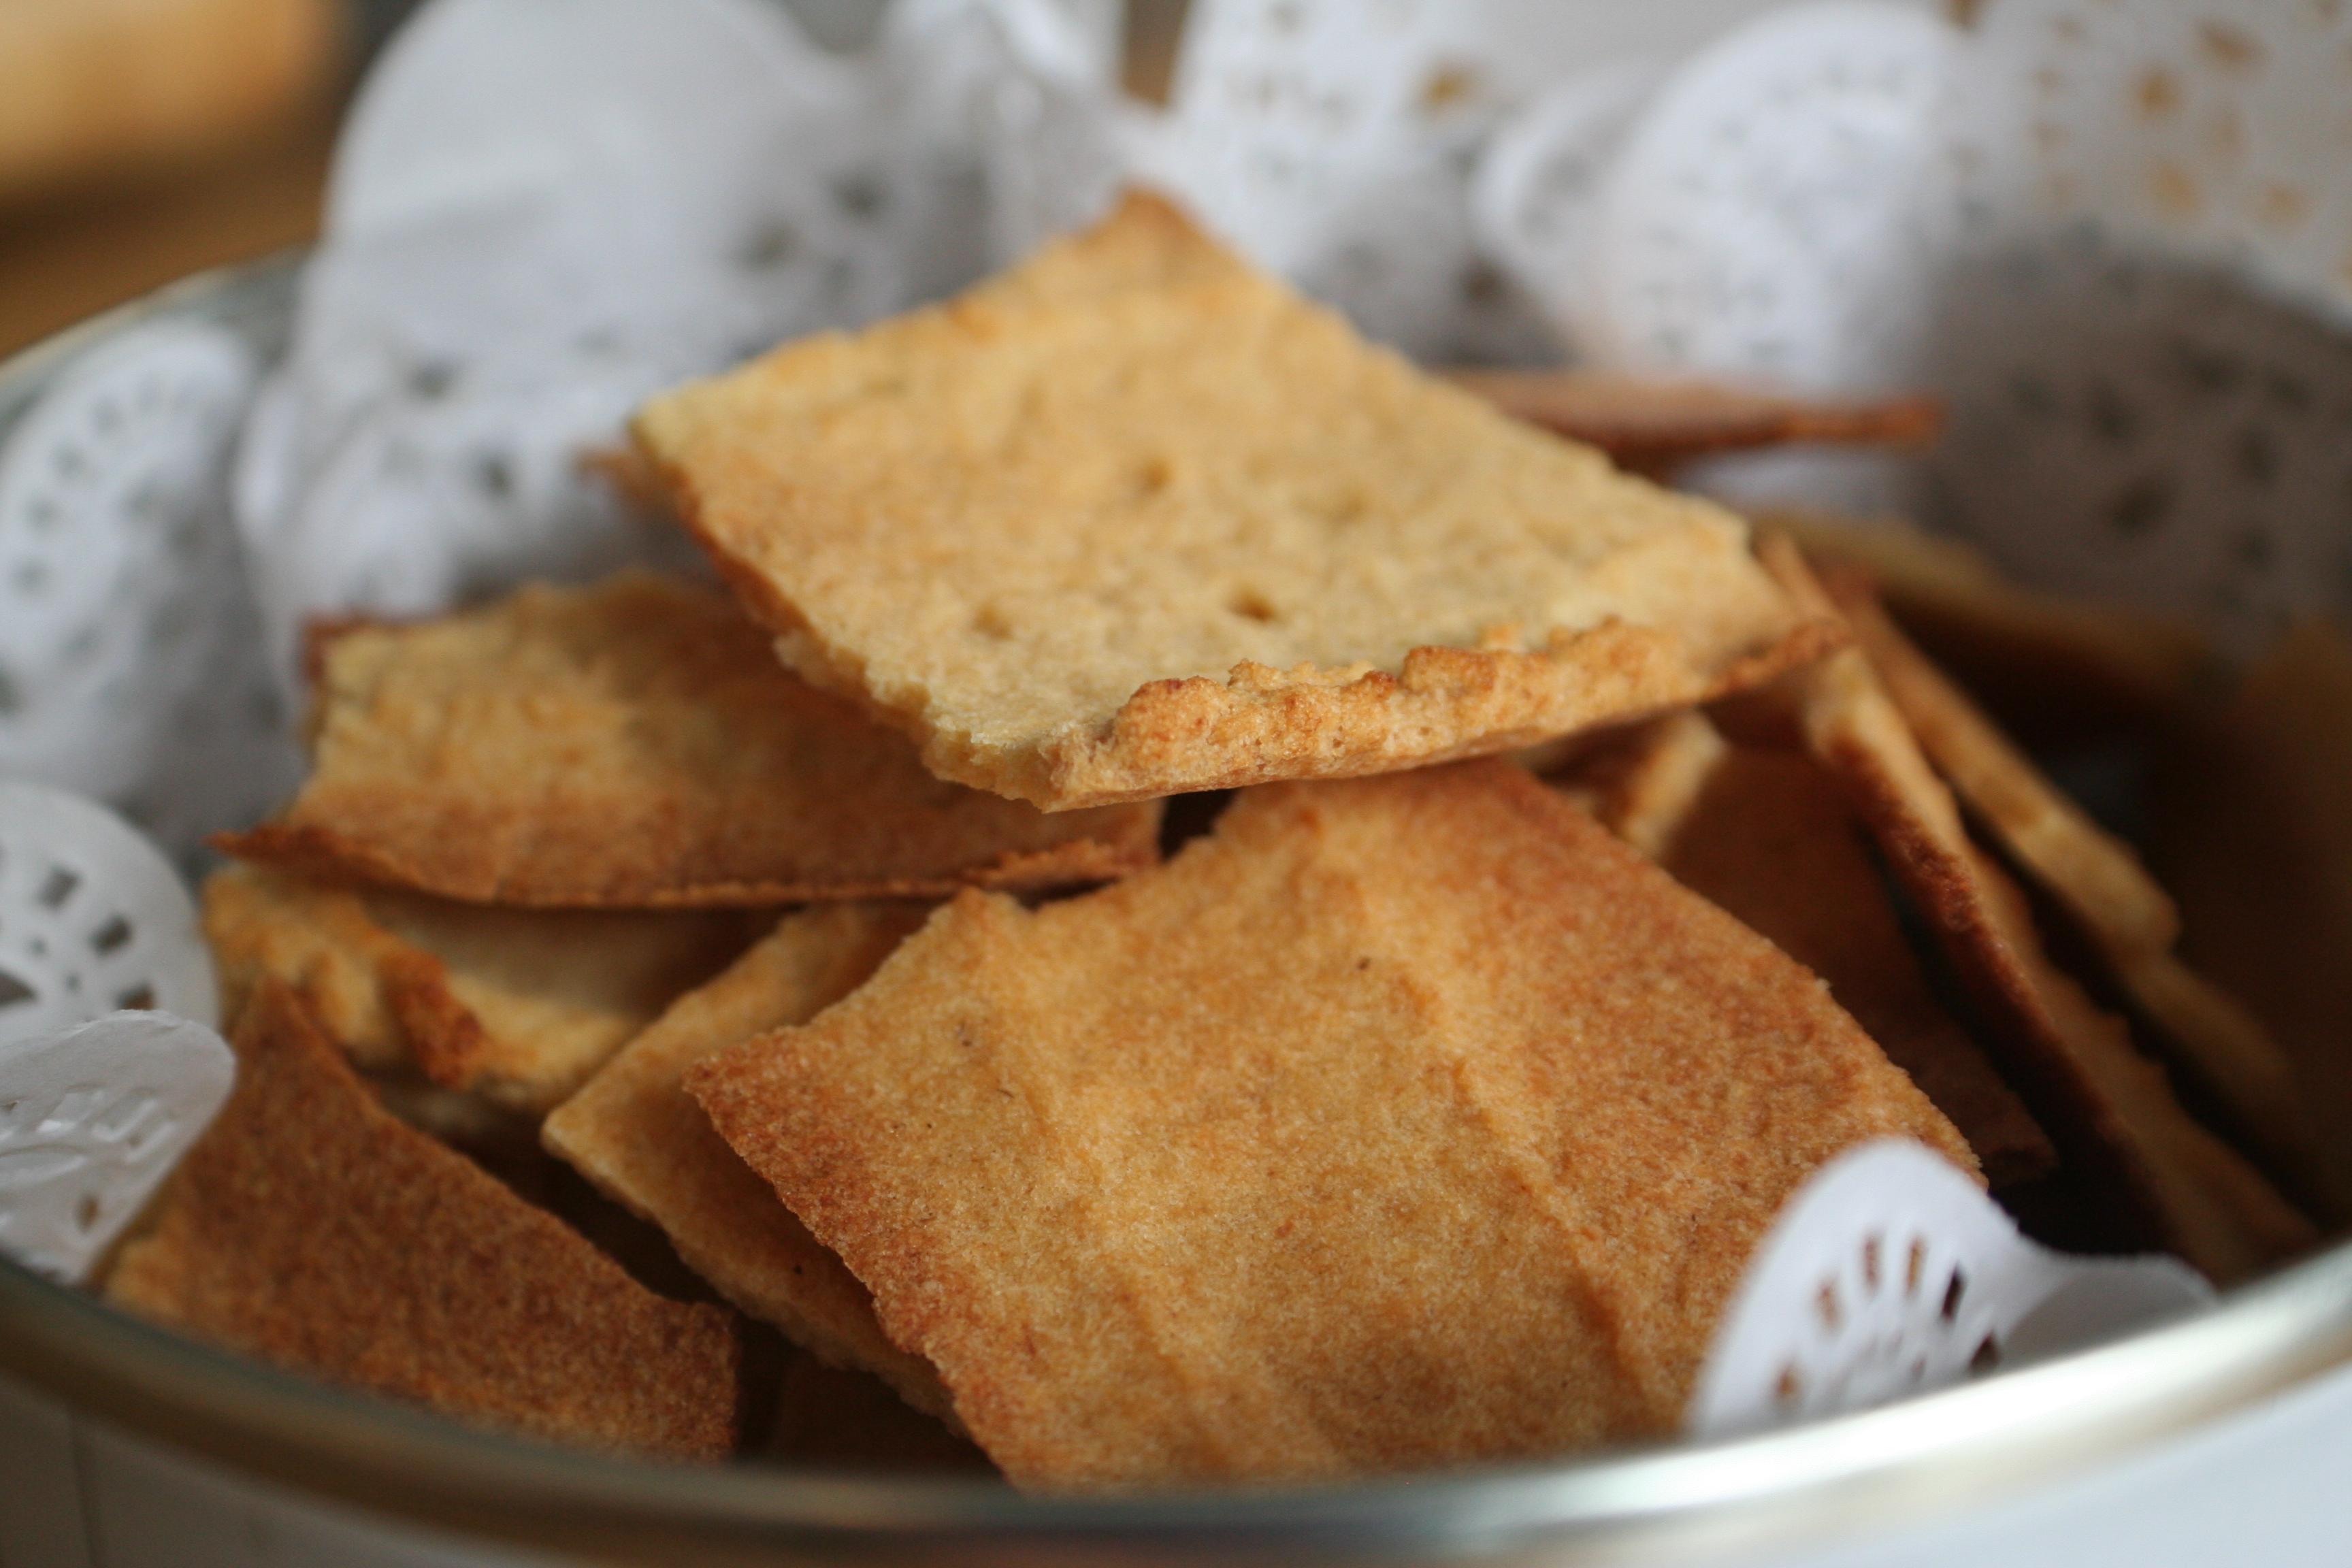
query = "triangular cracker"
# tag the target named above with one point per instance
(311, 1227)
(2102, 885)
(634, 1131)
(1136, 519)
(2075, 1064)
(635, 744)
(1768, 837)
(1399, 1123)
(517, 1005)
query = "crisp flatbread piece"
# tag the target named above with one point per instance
(1651, 426)
(2091, 1089)
(1136, 519)
(518, 1005)
(1768, 837)
(312, 1229)
(1399, 1123)
(636, 744)
(636, 1133)
(2108, 893)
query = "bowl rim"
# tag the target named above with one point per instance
(2021, 1430)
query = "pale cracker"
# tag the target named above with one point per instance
(1136, 519)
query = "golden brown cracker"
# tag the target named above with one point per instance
(518, 1005)
(635, 744)
(311, 1228)
(1768, 836)
(1399, 1123)
(2077, 1065)
(1134, 518)
(636, 1133)
(1651, 427)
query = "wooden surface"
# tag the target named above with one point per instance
(145, 140)
(70, 256)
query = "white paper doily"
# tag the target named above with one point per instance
(108, 1062)
(121, 590)
(1888, 1274)
(91, 1118)
(2207, 130)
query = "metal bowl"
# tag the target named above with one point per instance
(2141, 1449)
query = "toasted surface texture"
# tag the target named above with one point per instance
(1399, 1123)
(1134, 518)
(311, 1227)
(635, 1132)
(636, 744)
(519, 1005)
(1768, 837)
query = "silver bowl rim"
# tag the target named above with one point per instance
(1811, 1485)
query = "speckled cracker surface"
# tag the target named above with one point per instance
(311, 1227)
(1136, 519)
(635, 743)
(637, 1133)
(1768, 836)
(1400, 1124)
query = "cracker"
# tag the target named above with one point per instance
(1768, 836)
(1397, 1124)
(2101, 884)
(2093, 873)
(637, 1134)
(517, 1005)
(313, 1229)
(2108, 1105)
(635, 744)
(1651, 426)
(1134, 518)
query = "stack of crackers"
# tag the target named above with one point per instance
(1077, 933)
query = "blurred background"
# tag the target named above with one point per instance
(143, 139)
